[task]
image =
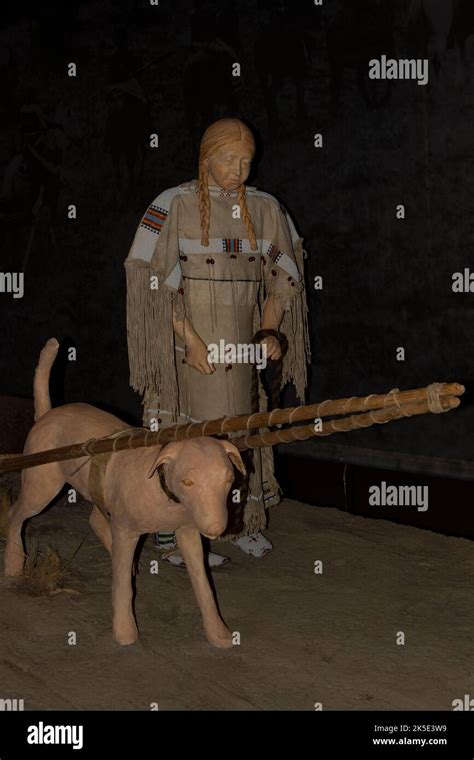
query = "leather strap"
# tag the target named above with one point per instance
(97, 472)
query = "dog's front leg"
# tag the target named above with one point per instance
(190, 544)
(124, 542)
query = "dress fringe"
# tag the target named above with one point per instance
(150, 334)
(295, 326)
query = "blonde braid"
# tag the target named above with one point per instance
(246, 217)
(204, 203)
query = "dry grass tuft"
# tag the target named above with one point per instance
(43, 572)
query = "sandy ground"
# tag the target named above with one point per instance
(305, 637)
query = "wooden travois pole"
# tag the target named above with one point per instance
(435, 398)
(341, 425)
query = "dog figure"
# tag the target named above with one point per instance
(180, 486)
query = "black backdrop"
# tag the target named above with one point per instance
(167, 69)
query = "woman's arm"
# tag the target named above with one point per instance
(195, 348)
(273, 311)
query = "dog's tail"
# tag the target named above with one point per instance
(41, 381)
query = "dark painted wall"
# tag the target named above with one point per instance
(387, 282)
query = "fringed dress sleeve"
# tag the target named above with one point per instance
(284, 280)
(153, 288)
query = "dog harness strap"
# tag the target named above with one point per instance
(97, 470)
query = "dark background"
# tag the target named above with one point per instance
(167, 69)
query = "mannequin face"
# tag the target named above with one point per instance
(229, 167)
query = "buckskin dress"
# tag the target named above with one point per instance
(221, 288)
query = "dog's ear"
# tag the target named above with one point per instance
(234, 455)
(165, 455)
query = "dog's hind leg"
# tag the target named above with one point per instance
(39, 486)
(101, 527)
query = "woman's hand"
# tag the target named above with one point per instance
(273, 347)
(196, 355)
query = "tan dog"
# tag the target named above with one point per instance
(198, 472)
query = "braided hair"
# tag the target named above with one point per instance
(217, 135)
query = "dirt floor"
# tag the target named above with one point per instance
(305, 637)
